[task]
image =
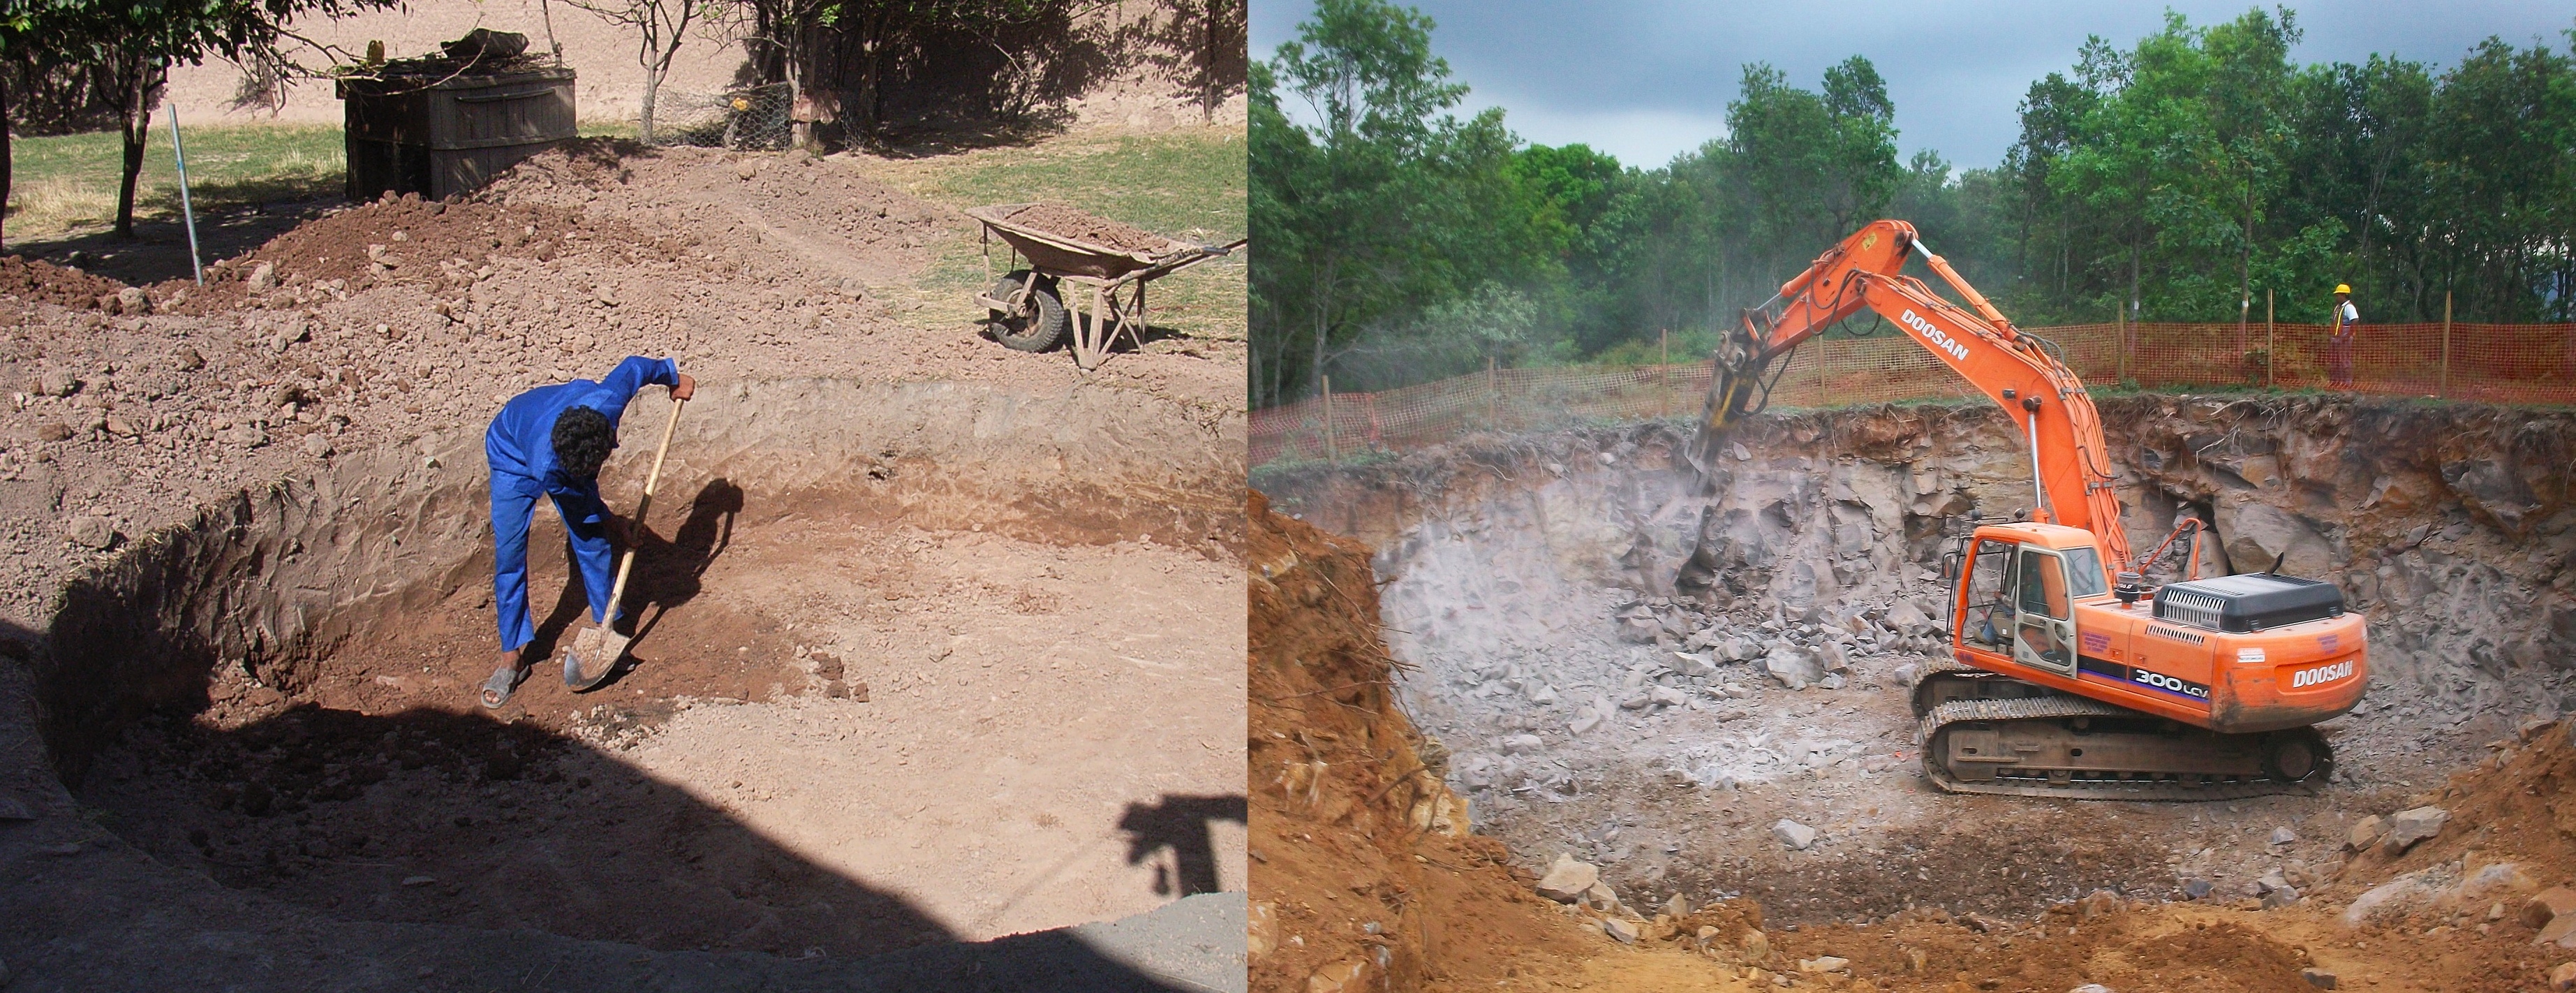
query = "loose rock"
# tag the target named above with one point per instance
(2546, 906)
(91, 531)
(2407, 827)
(1567, 880)
(1796, 836)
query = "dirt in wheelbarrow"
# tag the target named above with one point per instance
(1056, 218)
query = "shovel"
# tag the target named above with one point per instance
(601, 644)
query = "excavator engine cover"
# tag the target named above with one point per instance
(2247, 603)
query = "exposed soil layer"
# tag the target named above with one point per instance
(1059, 219)
(1362, 868)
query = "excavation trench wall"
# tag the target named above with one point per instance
(2452, 524)
(270, 581)
(1527, 585)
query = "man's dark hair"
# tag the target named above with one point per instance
(582, 441)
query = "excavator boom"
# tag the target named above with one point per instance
(2021, 372)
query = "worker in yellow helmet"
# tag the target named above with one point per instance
(2339, 346)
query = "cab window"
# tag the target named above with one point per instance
(2084, 573)
(2043, 585)
(1989, 602)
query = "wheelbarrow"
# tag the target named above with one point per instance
(1027, 306)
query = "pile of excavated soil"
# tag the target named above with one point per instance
(1059, 219)
(36, 281)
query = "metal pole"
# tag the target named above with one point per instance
(1332, 444)
(2271, 343)
(186, 209)
(2446, 345)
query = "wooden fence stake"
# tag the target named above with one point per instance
(1664, 373)
(1493, 396)
(2120, 320)
(2445, 391)
(1332, 444)
(2271, 341)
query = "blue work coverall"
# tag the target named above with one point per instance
(520, 447)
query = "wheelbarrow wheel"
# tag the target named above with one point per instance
(1038, 327)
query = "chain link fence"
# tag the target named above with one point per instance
(2492, 363)
(755, 118)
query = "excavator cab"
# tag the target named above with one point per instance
(2014, 594)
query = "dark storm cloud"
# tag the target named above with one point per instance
(1647, 81)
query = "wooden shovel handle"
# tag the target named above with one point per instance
(626, 562)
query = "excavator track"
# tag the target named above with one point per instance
(2056, 745)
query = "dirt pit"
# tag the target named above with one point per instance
(1527, 593)
(917, 663)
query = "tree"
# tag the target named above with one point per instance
(140, 39)
(660, 27)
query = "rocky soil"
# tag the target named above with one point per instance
(1594, 709)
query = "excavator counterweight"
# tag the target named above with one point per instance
(2061, 681)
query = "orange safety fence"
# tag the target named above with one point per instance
(2494, 363)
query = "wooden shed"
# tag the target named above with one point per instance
(438, 135)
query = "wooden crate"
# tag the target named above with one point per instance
(439, 136)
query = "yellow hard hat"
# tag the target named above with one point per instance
(2343, 289)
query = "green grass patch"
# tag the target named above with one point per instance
(67, 184)
(1188, 184)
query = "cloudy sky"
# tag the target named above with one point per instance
(1646, 81)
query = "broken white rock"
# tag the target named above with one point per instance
(1568, 879)
(1522, 743)
(1667, 696)
(1798, 837)
(2283, 836)
(1792, 667)
(2406, 827)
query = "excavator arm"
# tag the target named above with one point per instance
(2023, 373)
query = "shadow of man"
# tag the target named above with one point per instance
(1185, 825)
(667, 573)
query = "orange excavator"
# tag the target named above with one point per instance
(2061, 682)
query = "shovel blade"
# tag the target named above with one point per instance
(594, 654)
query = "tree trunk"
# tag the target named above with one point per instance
(2133, 284)
(4, 160)
(652, 86)
(2245, 268)
(138, 127)
(1208, 56)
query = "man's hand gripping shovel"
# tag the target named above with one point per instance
(596, 651)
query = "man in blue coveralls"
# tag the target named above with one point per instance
(550, 441)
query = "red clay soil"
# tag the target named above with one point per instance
(1350, 879)
(44, 282)
(1056, 218)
